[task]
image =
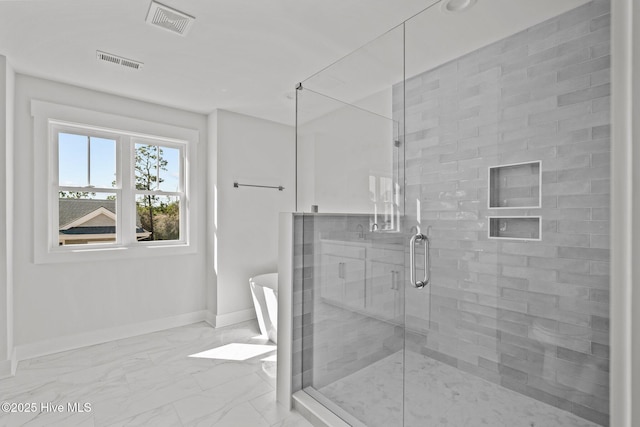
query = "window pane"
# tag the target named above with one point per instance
(170, 169)
(72, 160)
(86, 218)
(74, 153)
(157, 168)
(146, 167)
(158, 217)
(103, 162)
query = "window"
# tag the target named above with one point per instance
(158, 183)
(86, 187)
(112, 188)
(108, 188)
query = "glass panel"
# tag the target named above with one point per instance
(86, 218)
(511, 329)
(349, 147)
(354, 318)
(170, 161)
(347, 136)
(451, 323)
(77, 152)
(157, 168)
(346, 159)
(365, 78)
(73, 160)
(103, 162)
(157, 218)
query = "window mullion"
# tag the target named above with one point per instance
(160, 193)
(89, 161)
(157, 167)
(87, 189)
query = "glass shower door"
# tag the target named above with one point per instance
(507, 176)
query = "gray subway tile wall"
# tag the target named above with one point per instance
(531, 316)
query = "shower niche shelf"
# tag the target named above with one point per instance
(515, 185)
(515, 227)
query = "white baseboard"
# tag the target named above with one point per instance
(228, 319)
(8, 367)
(71, 342)
(210, 318)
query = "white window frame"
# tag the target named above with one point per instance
(57, 128)
(181, 193)
(49, 119)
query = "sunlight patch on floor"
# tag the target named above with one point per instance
(235, 351)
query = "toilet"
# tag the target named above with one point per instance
(264, 291)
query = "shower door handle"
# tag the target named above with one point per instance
(427, 261)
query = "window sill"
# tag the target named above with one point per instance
(114, 253)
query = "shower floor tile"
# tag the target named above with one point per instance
(438, 395)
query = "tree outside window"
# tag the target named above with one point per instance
(157, 172)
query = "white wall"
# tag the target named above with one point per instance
(249, 151)
(10, 191)
(4, 142)
(6, 218)
(212, 218)
(54, 301)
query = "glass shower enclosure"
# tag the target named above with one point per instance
(453, 205)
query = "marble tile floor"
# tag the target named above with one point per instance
(150, 380)
(438, 395)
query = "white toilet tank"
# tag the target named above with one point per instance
(264, 290)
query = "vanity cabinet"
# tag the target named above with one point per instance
(343, 274)
(362, 276)
(385, 283)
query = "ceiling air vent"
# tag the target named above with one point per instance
(169, 19)
(118, 60)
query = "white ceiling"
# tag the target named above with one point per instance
(240, 55)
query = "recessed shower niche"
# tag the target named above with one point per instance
(515, 227)
(515, 185)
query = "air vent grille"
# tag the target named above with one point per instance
(118, 60)
(169, 19)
